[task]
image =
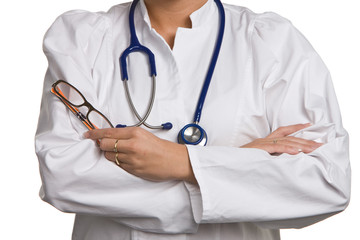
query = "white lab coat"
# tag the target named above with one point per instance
(267, 76)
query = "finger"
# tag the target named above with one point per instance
(280, 148)
(298, 146)
(125, 166)
(295, 139)
(310, 143)
(109, 144)
(115, 133)
(287, 130)
(122, 157)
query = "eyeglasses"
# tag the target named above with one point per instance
(73, 99)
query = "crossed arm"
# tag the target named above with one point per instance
(146, 156)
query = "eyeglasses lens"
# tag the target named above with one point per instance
(70, 93)
(98, 120)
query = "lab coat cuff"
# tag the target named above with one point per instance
(197, 196)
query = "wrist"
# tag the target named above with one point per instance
(185, 172)
(177, 159)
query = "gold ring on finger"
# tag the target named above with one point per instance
(115, 147)
(116, 159)
(275, 141)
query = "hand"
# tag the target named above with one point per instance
(144, 155)
(279, 141)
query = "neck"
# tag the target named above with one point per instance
(167, 15)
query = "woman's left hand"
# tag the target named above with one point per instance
(142, 154)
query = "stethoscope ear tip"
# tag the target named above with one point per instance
(120, 126)
(167, 126)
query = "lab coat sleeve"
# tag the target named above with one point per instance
(279, 191)
(75, 175)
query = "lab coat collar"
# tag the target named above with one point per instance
(198, 18)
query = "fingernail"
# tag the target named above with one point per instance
(308, 124)
(86, 135)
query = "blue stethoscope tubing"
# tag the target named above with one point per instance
(135, 46)
(192, 133)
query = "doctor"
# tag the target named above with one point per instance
(276, 154)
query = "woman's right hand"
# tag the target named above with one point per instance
(279, 141)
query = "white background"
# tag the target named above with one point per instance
(332, 27)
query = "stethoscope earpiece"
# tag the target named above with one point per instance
(167, 126)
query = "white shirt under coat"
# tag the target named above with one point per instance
(267, 76)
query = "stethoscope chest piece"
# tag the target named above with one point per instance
(192, 134)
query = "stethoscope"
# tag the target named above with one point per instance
(192, 133)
